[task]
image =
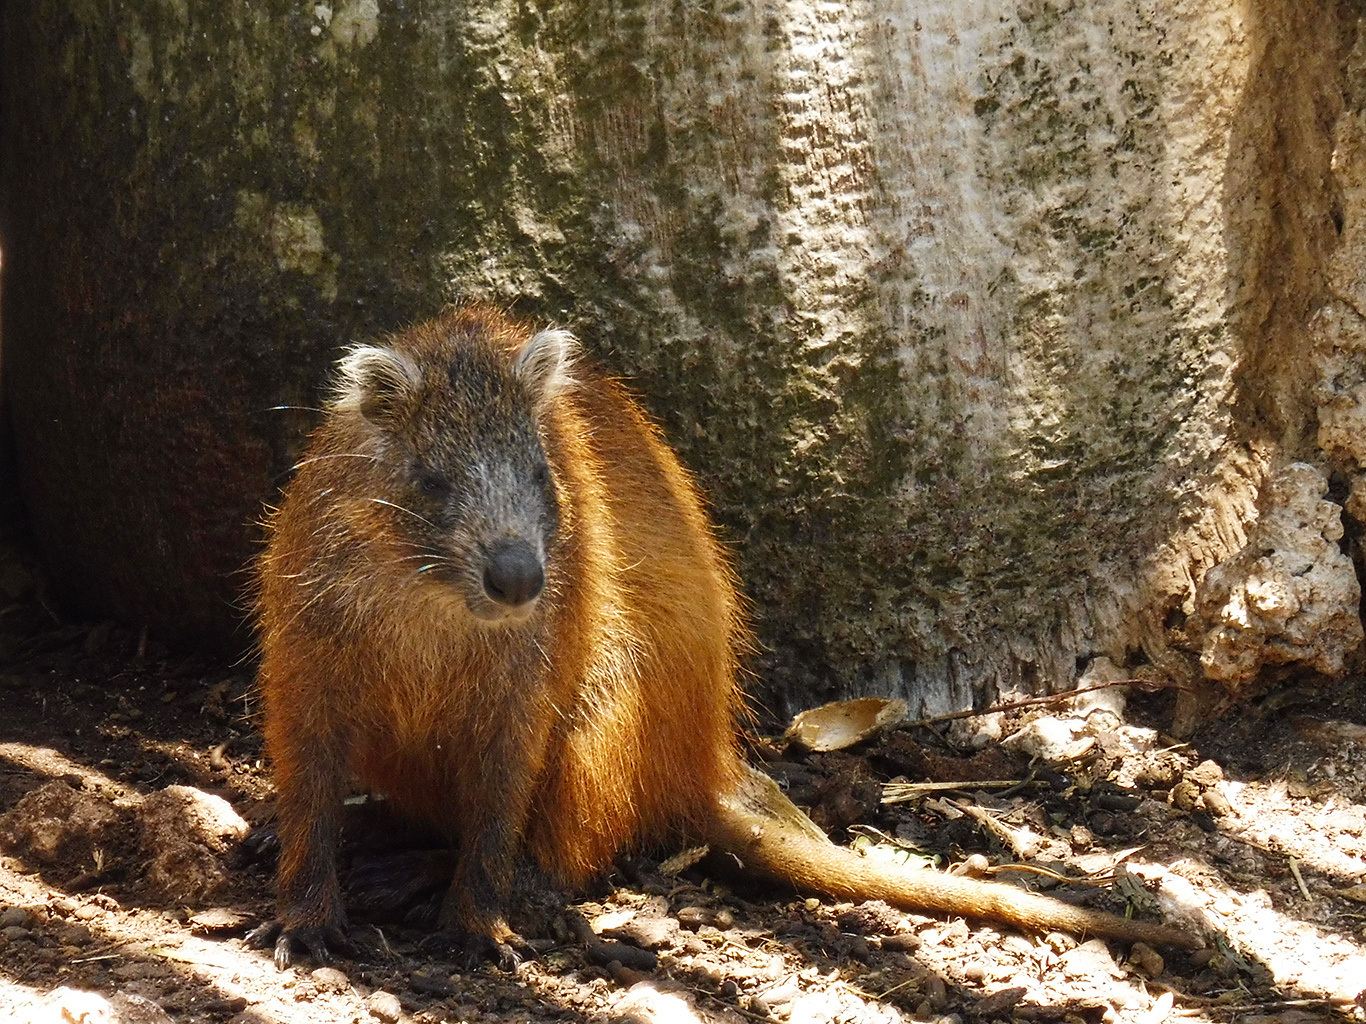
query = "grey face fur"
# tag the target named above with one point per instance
(459, 434)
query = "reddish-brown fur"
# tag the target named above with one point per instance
(603, 719)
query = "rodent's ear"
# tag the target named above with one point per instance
(374, 381)
(546, 362)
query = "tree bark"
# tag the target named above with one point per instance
(986, 327)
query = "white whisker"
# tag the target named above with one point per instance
(337, 455)
(421, 519)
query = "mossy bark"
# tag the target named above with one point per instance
(978, 324)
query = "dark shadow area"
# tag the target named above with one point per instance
(1283, 210)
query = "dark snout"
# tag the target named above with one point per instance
(513, 575)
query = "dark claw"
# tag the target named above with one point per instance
(263, 935)
(261, 845)
(311, 939)
(318, 943)
(284, 955)
(470, 951)
(479, 949)
(506, 956)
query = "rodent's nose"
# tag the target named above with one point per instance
(513, 574)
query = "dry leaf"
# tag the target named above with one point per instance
(845, 722)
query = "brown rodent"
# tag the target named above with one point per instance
(491, 593)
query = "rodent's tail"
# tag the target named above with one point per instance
(772, 838)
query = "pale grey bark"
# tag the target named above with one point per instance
(984, 325)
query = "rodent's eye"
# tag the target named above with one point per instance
(433, 484)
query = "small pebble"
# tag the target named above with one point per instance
(1146, 960)
(605, 953)
(693, 918)
(228, 1004)
(956, 933)
(431, 984)
(859, 948)
(1206, 774)
(1186, 795)
(1217, 804)
(215, 919)
(905, 942)
(87, 912)
(1060, 942)
(70, 934)
(999, 1002)
(385, 1006)
(769, 1000)
(975, 974)
(1223, 966)
(625, 976)
(975, 866)
(647, 932)
(331, 979)
(936, 992)
(12, 917)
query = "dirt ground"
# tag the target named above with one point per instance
(129, 775)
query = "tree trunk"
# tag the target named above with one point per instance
(986, 327)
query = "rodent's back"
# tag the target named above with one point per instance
(653, 737)
(617, 690)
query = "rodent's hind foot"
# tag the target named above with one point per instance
(471, 950)
(318, 942)
(261, 846)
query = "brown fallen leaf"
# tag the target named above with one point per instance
(218, 919)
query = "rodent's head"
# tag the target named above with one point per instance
(455, 411)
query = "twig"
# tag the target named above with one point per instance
(1287, 1004)
(711, 997)
(1299, 879)
(1010, 836)
(1221, 1004)
(1048, 698)
(886, 992)
(98, 956)
(1100, 879)
(384, 941)
(903, 792)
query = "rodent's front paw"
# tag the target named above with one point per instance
(317, 941)
(261, 845)
(472, 950)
